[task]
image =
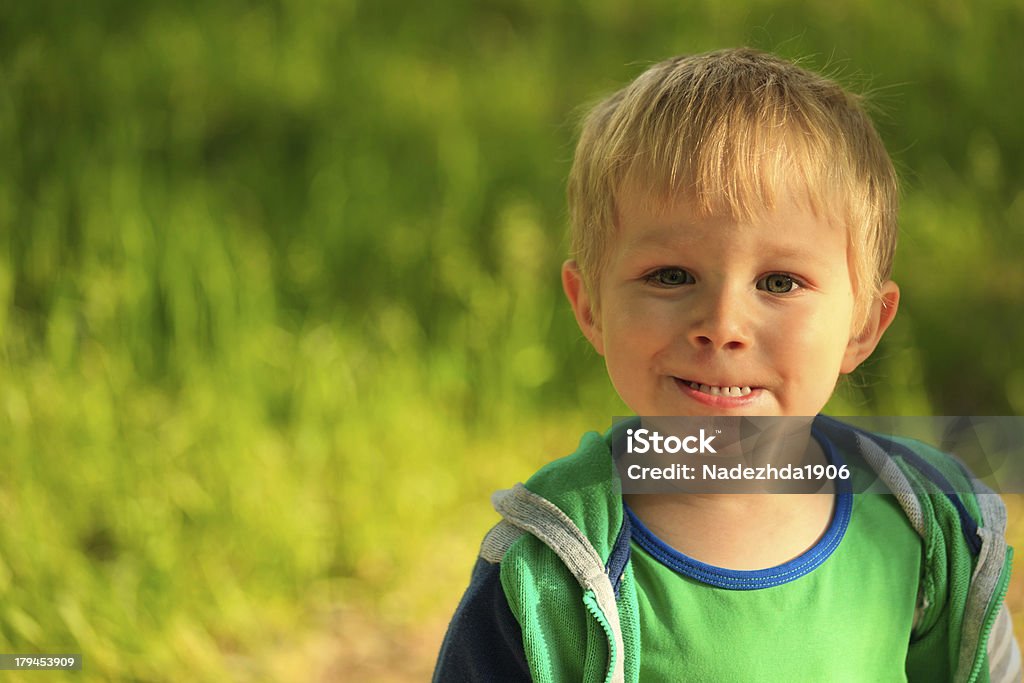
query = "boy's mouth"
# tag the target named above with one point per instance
(730, 391)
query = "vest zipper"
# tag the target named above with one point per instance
(590, 600)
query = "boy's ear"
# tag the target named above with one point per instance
(576, 291)
(880, 316)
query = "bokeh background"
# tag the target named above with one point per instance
(280, 307)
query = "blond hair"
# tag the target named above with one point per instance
(729, 130)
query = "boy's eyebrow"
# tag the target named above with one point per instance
(667, 237)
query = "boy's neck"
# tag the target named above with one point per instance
(737, 531)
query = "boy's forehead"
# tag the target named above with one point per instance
(791, 230)
(656, 216)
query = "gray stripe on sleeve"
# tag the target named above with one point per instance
(498, 540)
(987, 572)
(894, 478)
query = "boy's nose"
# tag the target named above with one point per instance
(721, 323)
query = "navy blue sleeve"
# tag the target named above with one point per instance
(484, 640)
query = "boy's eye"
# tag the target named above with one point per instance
(671, 277)
(777, 283)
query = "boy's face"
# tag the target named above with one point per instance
(710, 316)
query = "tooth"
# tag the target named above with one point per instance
(734, 391)
(716, 391)
(704, 388)
(694, 385)
(746, 390)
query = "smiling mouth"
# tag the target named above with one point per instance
(733, 391)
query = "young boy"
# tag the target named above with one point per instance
(733, 228)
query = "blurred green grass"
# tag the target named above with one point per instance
(279, 300)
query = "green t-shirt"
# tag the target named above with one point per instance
(842, 611)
